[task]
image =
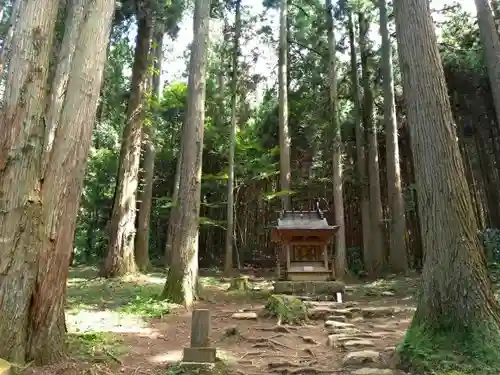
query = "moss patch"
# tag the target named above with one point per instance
(96, 347)
(429, 350)
(220, 368)
(288, 309)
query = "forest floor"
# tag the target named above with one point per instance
(118, 327)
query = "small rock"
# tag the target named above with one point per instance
(357, 343)
(372, 371)
(245, 316)
(335, 324)
(333, 339)
(318, 313)
(375, 335)
(348, 313)
(361, 357)
(387, 293)
(338, 318)
(245, 362)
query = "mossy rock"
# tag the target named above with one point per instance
(288, 309)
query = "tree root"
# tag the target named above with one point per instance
(309, 340)
(278, 329)
(290, 368)
(268, 342)
(112, 356)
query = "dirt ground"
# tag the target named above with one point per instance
(356, 337)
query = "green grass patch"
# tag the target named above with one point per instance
(450, 351)
(148, 307)
(136, 296)
(98, 346)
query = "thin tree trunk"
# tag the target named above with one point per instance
(148, 161)
(145, 198)
(181, 284)
(173, 223)
(7, 39)
(284, 135)
(228, 261)
(360, 152)
(457, 311)
(488, 174)
(76, 12)
(39, 209)
(398, 258)
(491, 47)
(370, 127)
(120, 258)
(156, 81)
(338, 198)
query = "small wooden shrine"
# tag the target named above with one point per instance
(303, 238)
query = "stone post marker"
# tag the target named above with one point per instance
(200, 350)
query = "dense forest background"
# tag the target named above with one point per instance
(257, 196)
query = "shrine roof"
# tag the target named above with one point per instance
(310, 220)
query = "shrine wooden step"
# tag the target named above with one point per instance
(317, 275)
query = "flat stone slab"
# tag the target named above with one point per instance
(199, 355)
(248, 315)
(383, 311)
(348, 344)
(361, 357)
(336, 324)
(372, 371)
(304, 288)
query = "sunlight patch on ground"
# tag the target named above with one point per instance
(172, 356)
(106, 321)
(175, 356)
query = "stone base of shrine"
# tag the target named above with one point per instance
(309, 288)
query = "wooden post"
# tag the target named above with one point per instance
(287, 250)
(325, 255)
(200, 350)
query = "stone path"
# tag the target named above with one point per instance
(340, 338)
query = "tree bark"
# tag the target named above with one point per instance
(360, 151)
(398, 258)
(39, 209)
(338, 197)
(457, 311)
(141, 249)
(284, 133)
(491, 46)
(173, 223)
(120, 258)
(148, 160)
(370, 126)
(157, 52)
(181, 284)
(228, 260)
